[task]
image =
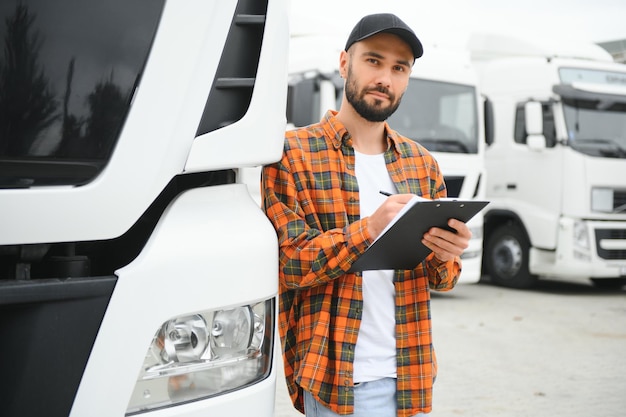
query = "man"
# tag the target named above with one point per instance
(358, 343)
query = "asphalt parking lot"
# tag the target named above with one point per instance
(557, 350)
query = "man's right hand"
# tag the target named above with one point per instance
(386, 212)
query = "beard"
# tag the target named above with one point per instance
(374, 112)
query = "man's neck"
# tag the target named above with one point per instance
(367, 137)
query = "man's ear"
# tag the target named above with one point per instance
(343, 63)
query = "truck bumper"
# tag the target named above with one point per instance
(603, 255)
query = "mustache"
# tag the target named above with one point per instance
(380, 89)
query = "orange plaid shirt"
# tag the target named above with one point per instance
(312, 198)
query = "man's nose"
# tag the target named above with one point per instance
(383, 77)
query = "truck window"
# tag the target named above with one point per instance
(596, 127)
(441, 116)
(68, 70)
(549, 130)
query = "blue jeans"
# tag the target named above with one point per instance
(371, 399)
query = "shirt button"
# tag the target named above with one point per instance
(352, 199)
(346, 382)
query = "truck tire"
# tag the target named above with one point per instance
(506, 257)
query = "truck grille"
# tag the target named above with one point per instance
(610, 234)
(619, 199)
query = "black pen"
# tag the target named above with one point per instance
(385, 193)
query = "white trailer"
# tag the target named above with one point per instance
(556, 161)
(137, 274)
(441, 109)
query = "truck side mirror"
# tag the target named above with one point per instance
(488, 117)
(533, 116)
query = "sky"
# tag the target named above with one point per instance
(450, 22)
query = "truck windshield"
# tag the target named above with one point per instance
(440, 116)
(68, 70)
(596, 128)
(594, 106)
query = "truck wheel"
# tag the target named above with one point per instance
(506, 255)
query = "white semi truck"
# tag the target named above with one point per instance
(441, 109)
(556, 161)
(137, 274)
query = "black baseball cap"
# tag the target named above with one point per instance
(385, 22)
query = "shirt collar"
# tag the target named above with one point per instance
(338, 133)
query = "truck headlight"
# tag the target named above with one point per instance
(581, 241)
(206, 354)
(581, 236)
(477, 232)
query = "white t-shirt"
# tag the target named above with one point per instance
(375, 352)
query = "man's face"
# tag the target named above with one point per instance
(374, 110)
(377, 74)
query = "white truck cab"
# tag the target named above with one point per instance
(556, 161)
(137, 274)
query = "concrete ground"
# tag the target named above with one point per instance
(558, 350)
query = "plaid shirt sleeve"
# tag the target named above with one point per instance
(309, 253)
(311, 197)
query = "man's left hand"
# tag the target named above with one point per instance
(446, 244)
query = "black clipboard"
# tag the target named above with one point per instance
(400, 245)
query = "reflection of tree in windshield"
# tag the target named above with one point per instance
(28, 106)
(107, 107)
